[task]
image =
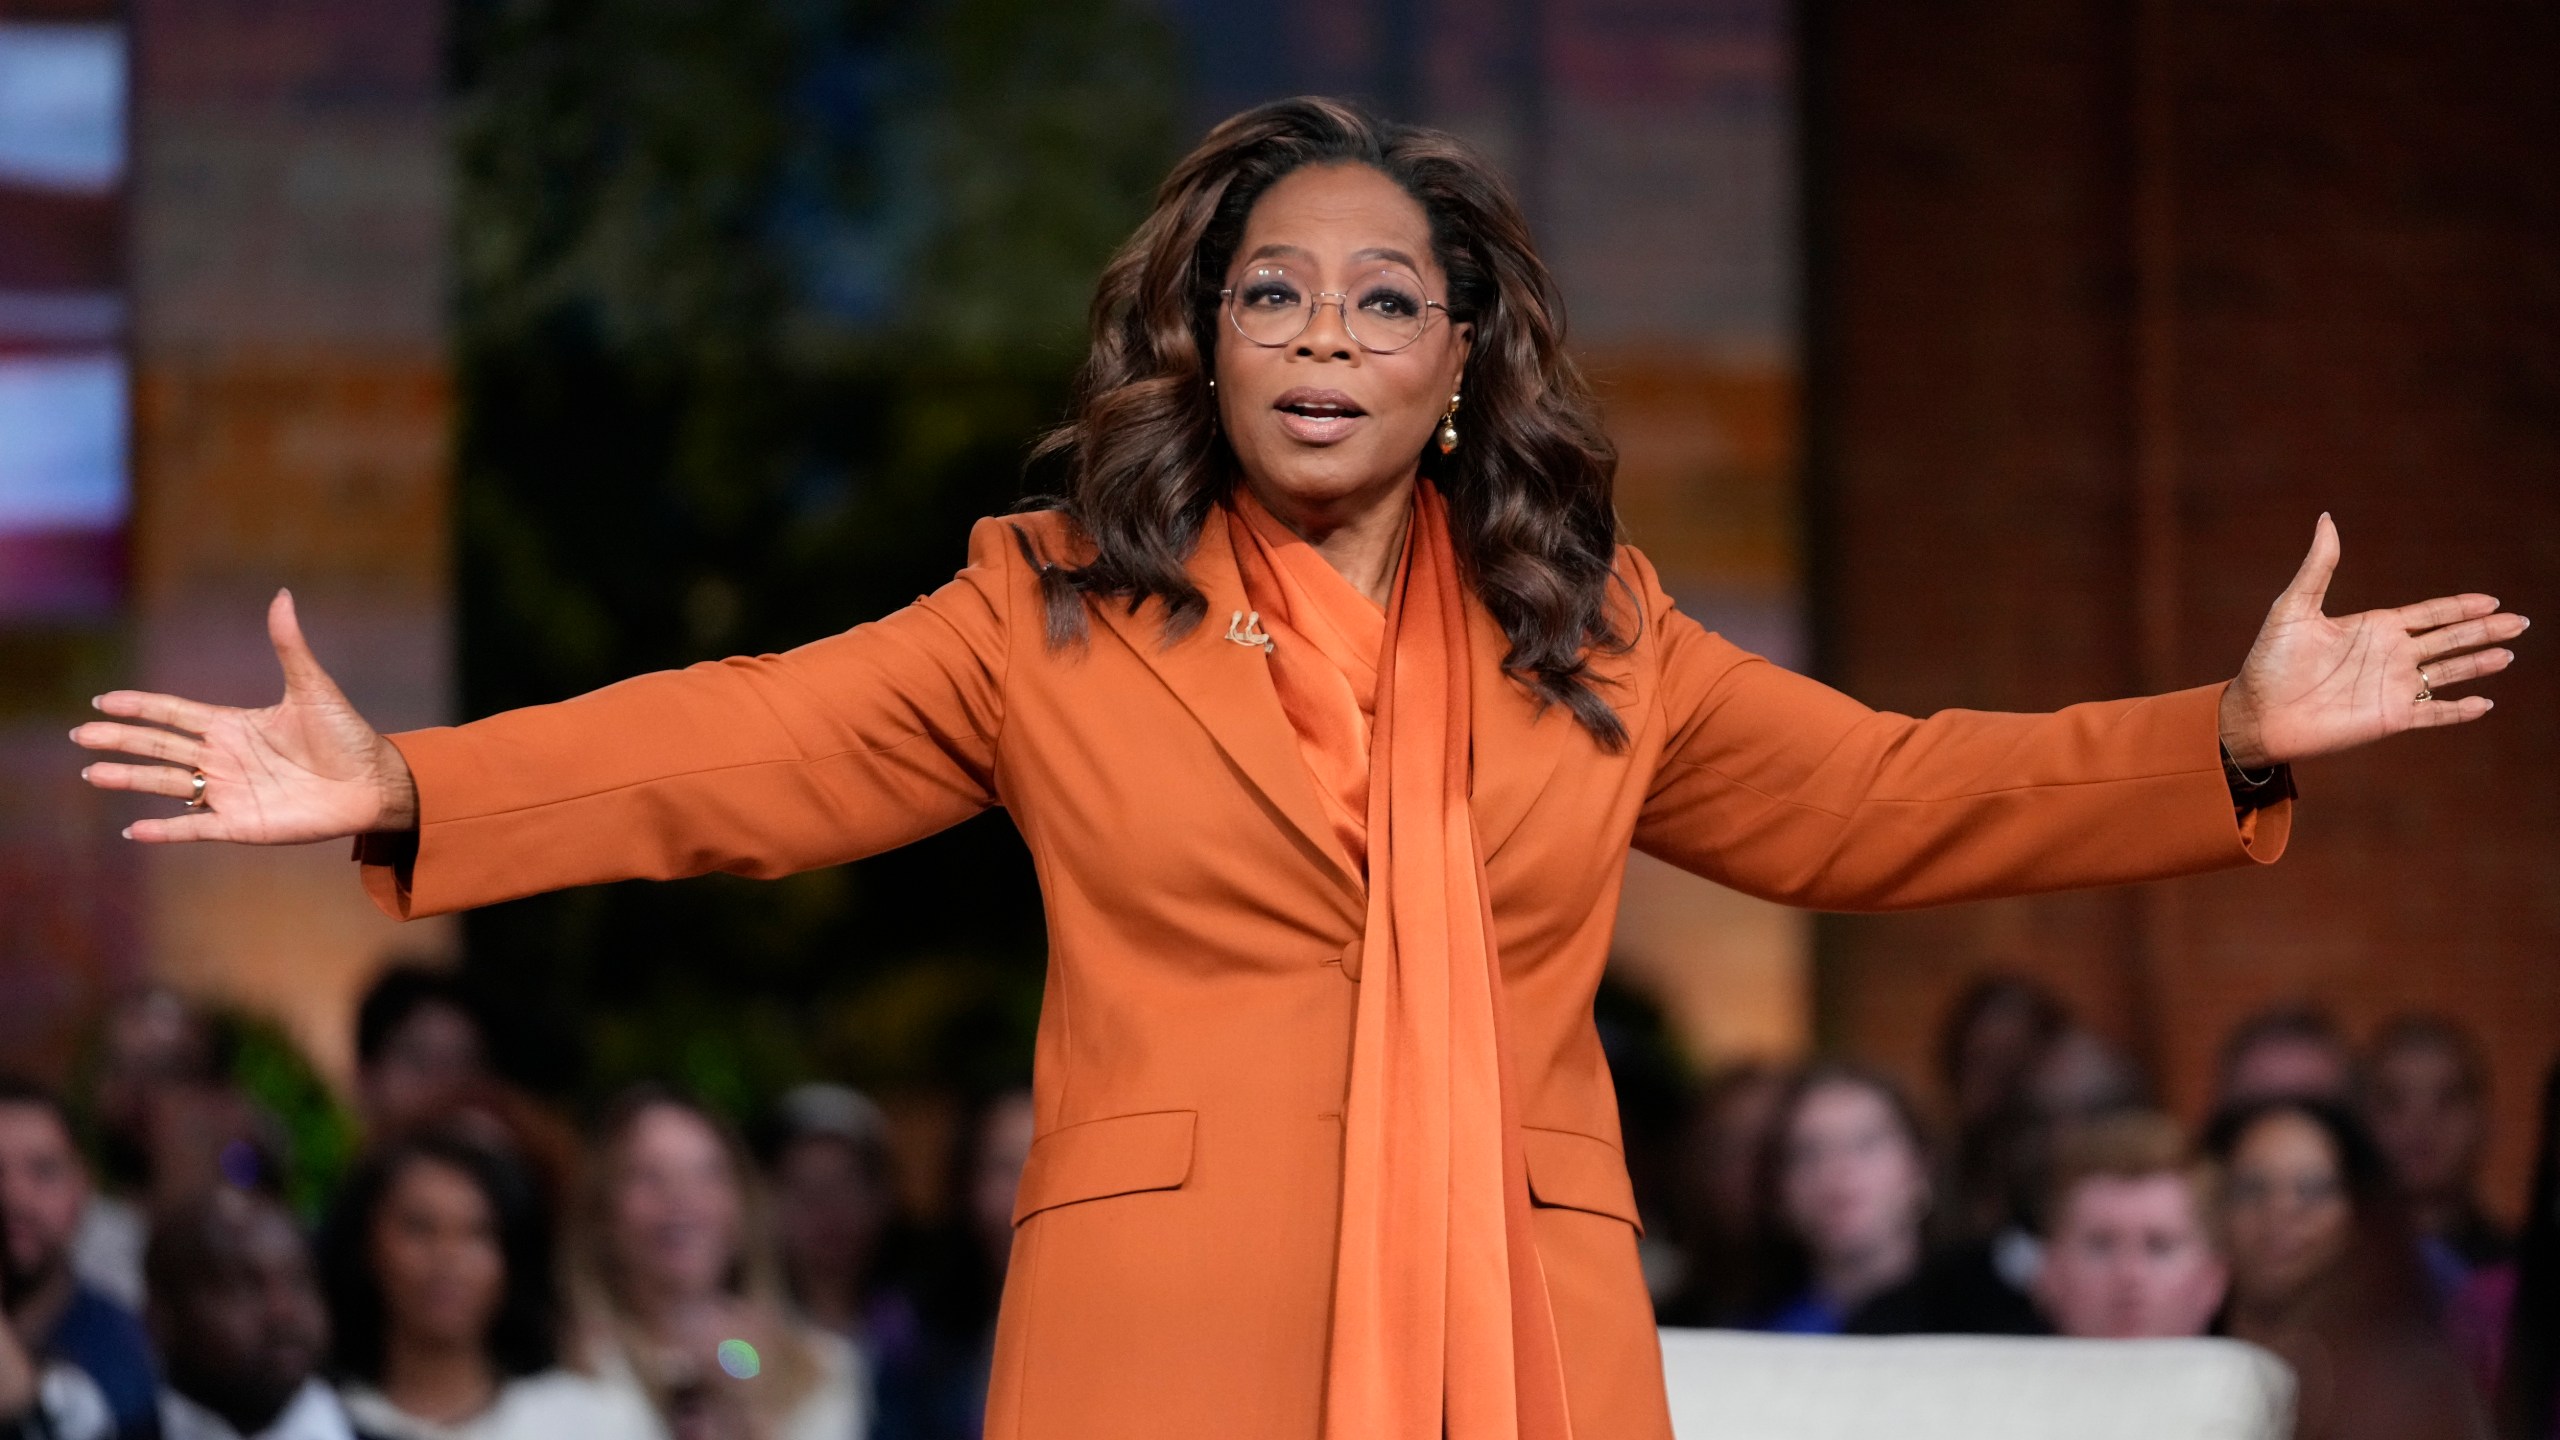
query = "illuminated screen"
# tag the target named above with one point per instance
(65, 476)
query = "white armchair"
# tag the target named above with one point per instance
(1730, 1385)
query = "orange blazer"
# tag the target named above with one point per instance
(1174, 1242)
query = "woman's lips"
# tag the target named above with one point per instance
(1318, 417)
(1318, 429)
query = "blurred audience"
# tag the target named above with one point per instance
(170, 1126)
(706, 1297)
(2292, 1051)
(685, 1300)
(2427, 1095)
(934, 1386)
(2523, 1371)
(1983, 1285)
(1851, 1172)
(834, 1198)
(1729, 1235)
(47, 1400)
(149, 1044)
(438, 1266)
(2129, 1251)
(2325, 1272)
(238, 1319)
(53, 1313)
(420, 1048)
(1994, 1032)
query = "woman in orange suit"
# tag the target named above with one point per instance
(1329, 704)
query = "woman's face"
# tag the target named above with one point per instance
(2285, 1209)
(676, 1206)
(436, 1252)
(828, 1207)
(1323, 424)
(1853, 1180)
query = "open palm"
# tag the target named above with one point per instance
(2316, 683)
(304, 769)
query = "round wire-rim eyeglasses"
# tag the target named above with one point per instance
(1341, 301)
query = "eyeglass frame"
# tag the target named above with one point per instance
(1342, 305)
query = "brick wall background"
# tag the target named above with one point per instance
(2109, 301)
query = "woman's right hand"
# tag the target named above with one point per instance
(305, 769)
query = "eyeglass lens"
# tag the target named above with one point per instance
(1384, 311)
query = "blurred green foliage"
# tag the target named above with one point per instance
(319, 1133)
(760, 302)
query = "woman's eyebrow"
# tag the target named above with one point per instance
(1299, 252)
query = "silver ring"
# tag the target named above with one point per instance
(2426, 687)
(195, 801)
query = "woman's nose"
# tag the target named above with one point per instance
(1328, 331)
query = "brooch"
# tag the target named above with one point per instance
(1244, 627)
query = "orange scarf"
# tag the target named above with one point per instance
(1441, 1326)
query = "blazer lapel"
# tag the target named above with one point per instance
(1518, 740)
(1227, 687)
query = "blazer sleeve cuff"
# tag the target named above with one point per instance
(390, 861)
(2263, 812)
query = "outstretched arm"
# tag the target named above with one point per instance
(759, 765)
(1782, 787)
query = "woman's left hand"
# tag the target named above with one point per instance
(2315, 683)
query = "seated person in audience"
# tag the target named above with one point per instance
(1992, 1037)
(174, 1122)
(57, 1316)
(152, 1046)
(834, 1200)
(420, 1048)
(2326, 1274)
(2292, 1051)
(2427, 1095)
(1984, 1286)
(2520, 1352)
(239, 1323)
(935, 1386)
(1729, 1236)
(1851, 1173)
(685, 1305)
(2129, 1250)
(437, 1263)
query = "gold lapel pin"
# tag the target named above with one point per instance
(1244, 627)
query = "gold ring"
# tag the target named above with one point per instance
(195, 801)
(2426, 687)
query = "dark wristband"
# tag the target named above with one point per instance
(2256, 792)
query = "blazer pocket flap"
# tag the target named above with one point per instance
(1573, 1171)
(1119, 1155)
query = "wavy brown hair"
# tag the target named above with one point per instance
(1529, 491)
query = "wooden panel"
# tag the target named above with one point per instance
(2363, 315)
